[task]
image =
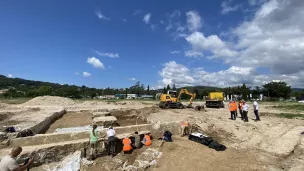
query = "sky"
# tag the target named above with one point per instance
(111, 43)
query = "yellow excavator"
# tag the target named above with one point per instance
(171, 100)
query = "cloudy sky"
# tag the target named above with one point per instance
(116, 43)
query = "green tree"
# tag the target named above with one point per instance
(164, 90)
(148, 90)
(32, 93)
(168, 87)
(174, 88)
(45, 90)
(245, 91)
(277, 89)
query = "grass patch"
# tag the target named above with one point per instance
(14, 100)
(299, 107)
(290, 115)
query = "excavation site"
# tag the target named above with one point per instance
(55, 131)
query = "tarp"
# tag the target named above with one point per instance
(76, 129)
(70, 163)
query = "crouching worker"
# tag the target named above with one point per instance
(127, 148)
(184, 128)
(167, 136)
(147, 140)
(9, 163)
(93, 142)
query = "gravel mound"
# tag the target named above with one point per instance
(49, 101)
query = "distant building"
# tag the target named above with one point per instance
(146, 96)
(132, 96)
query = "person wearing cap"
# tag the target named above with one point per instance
(9, 162)
(245, 111)
(111, 140)
(256, 110)
(127, 148)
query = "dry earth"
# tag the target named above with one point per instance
(272, 144)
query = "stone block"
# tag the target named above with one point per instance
(100, 114)
(105, 121)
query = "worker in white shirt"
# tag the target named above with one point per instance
(245, 111)
(9, 163)
(111, 141)
(256, 110)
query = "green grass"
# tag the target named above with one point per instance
(292, 106)
(15, 100)
(290, 115)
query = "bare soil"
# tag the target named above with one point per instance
(186, 155)
(127, 122)
(71, 119)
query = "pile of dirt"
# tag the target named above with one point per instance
(49, 101)
(3, 105)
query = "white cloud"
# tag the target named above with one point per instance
(194, 21)
(86, 74)
(256, 2)
(175, 52)
(272, 39)
(101, 16)
(226, 7)
(111, 55)
(124, 20)
(174, 73)
(76, 73)
(95, 62)
(212, 43)
(137, 12)
(191, 53)
(162, 22)
(146, 18)
(132, 79)
(153, 26)
(9, 75)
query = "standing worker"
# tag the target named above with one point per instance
(241, 109)
(232, 109)
(111, 141)
(147, 140)
(93, 142)
(256, 110)
(184, 128)
(127, 148)
(245, 111)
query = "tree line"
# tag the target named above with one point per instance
(18, 87)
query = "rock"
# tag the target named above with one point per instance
(105, 121)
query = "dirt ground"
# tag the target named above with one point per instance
(186, 155)
(71, 119)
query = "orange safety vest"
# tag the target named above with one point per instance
(127, 144)
(232, 106)
(241, 105)
(148, 140)
(184, 123)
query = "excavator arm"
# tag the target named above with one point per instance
(193, 95)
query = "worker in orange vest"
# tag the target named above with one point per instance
(232, 108)
(184, 128)
(147, 140)
(241, 108)
(127, 148)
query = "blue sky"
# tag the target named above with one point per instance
(54, 41)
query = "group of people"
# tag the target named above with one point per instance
(243, 109)
(129, 142)
(133, 142)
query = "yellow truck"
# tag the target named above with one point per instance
(215, 99)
